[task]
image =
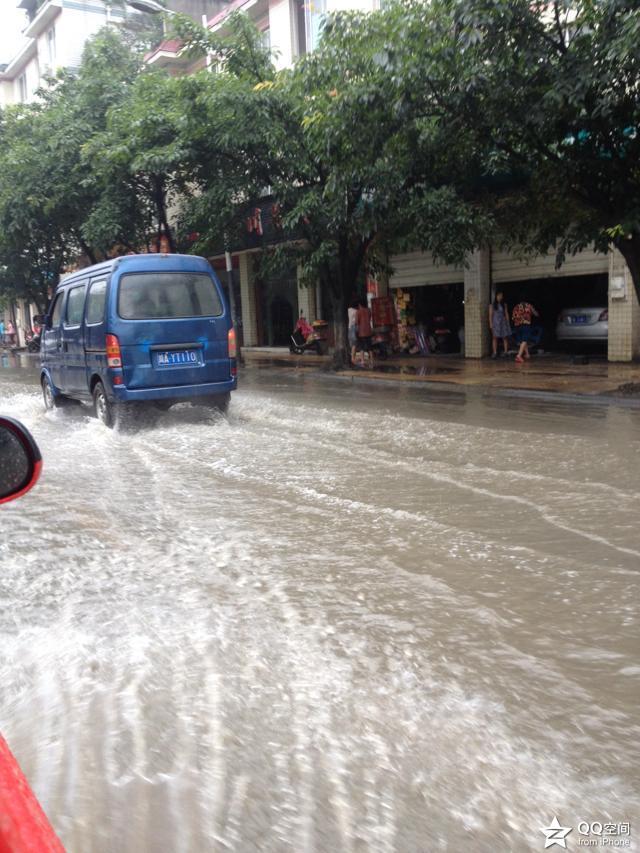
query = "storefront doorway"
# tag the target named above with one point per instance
(431, 317)
(551, 295)
(277, 303)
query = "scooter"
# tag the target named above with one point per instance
(298, 344)
(314, 343)
(444, 338)
(33, 341)
(380, 342)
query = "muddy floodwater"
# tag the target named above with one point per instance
(346, 618)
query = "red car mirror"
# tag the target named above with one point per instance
(20, 460)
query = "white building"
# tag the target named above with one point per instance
(291, 28)
(54, 37)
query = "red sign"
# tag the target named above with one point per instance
(382, 311)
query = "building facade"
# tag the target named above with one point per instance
(53, 38)
(461, 294)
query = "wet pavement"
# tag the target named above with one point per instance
(573, 375)
(347, 617)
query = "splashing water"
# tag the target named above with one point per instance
(334, 621)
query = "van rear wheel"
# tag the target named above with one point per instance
(104, 410)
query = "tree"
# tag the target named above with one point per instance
(336, 149)
(547, 97)
(32, 252)
(142, 163)
(47, 190)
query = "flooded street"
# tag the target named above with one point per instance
(346, 618)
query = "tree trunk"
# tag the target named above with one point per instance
(350, 261)
(163, 220)
(40, 302)
(341, 355)
(88, 251)
(630, 251)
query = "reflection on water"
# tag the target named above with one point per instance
(12, 360)
(344, 619)
(418, 369)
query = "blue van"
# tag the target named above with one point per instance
(151, 329)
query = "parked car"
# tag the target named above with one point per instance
(583, 325)
(151, 329)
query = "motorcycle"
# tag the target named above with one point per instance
(33, 339)
(444, 339)
(381, 342)
(315, 342)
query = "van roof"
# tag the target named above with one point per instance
(140, 263)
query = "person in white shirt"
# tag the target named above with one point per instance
(352, 329)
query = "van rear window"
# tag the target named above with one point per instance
(167, 296)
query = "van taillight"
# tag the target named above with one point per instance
(114, 357)
(232, 343)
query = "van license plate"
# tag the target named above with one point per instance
(176, 358)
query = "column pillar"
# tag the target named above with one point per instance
(624, 311)
(248, 300)
(319, 311)
(307, 300)
(477, 295)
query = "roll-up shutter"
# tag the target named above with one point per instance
(416, 269)
(508, 267)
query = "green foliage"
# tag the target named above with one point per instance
(335, 143)
(46, 189)
(545, 99)
(240, 53)
(141, 163)
(438, 125)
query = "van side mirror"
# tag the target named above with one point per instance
(20, 460)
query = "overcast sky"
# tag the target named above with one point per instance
(12, 21)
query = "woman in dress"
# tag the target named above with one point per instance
(499, 323)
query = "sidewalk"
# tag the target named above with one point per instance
(563, 374)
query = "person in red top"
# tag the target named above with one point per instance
(303, 327)
(522, 314)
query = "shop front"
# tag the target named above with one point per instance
(430, 319)
(460, 297)
(429, 303)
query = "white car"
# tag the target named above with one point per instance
(583, 325)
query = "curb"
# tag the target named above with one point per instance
(443, 385)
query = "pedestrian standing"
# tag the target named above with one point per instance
(352, 328)
(11, 334)
(522, 314)
(1, 331)
(363, 320)
(499, 323)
